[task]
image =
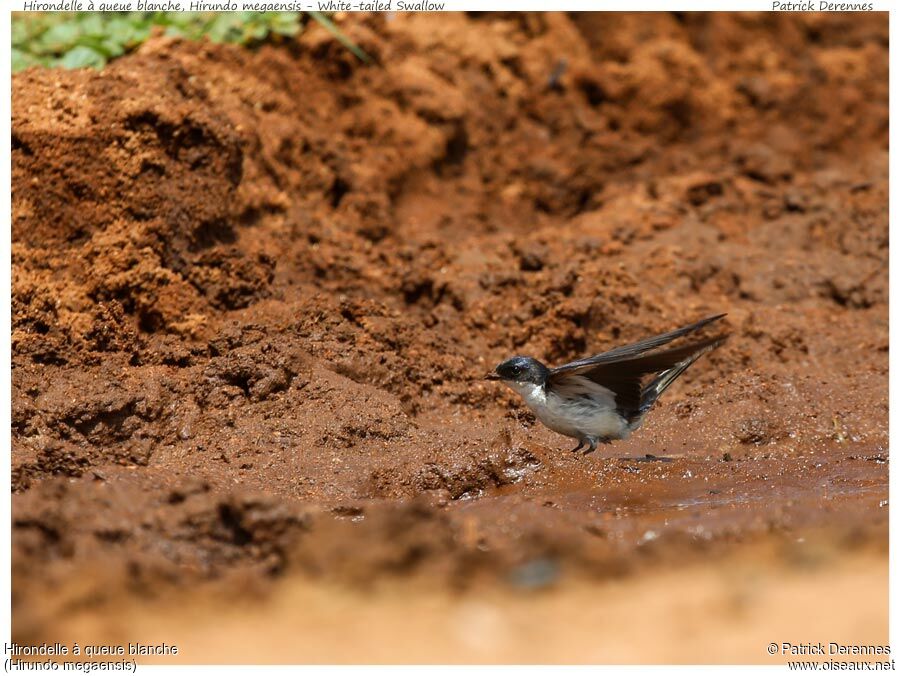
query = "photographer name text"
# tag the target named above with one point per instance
(823, 6)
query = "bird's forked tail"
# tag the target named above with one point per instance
(652, 391)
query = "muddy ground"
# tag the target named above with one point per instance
(255, 291)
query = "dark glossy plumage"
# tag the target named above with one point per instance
(623, 370)
(605, 396)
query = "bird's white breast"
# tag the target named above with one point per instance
(577, 408)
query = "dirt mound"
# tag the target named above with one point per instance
(254, 293)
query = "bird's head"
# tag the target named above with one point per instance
(520, 370)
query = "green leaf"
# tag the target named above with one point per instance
(286, 23)
(175, 32)
(253, 31)
(60, 37)
(222, 28)
(22, 60)
(182, 19)
(82, 57)
(80, 39)
(21, 32)
(95, 24)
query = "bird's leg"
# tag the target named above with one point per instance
(579, 446)
(592, 446)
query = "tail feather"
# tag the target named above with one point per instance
(660, 384)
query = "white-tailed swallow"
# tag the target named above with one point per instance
(604, 397)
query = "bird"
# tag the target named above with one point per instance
(604, 397)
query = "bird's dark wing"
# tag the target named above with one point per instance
(634, 349)
(624, 370)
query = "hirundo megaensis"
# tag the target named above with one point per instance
(604, 397)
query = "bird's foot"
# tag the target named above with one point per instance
(578, 447)
(592, 445)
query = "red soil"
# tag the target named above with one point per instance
(254, 293)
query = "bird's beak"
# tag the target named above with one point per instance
(492, 376)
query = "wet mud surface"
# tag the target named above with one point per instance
(255, 292)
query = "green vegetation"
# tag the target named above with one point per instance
(91, 39)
